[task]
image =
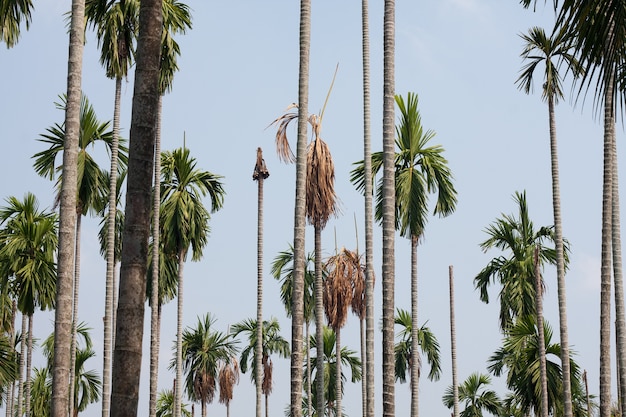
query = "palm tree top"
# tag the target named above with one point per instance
(260, 170)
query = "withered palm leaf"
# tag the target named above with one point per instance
(228, 378)
(343, 270)
(321, 200)
(283, 149)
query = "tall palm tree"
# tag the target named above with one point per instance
(552, 52)
(515, 271)
(368, 370)
(344, 272)
(599, 30)
(204, 350)
(476, 396)
(349, 359)
(419, 171)
(184, 220)
(28, 243)
(271, 342)
(260, 174)
(228, 378)
(283, 270)
(92, 181)
(427, 342)
(116, 30)
(67, 215)
(12, 13)
(176, 19)
(389, 205)
(129, 323)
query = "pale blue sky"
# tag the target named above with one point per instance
(238, 72)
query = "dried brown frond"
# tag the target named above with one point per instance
(321, 200)
(204, 387)
(228, 378)
(359, 300)
(268, 368)
(260, 170)
(343, 269)
(283, 149)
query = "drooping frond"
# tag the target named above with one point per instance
(321, 200)
(283, 149)
(260, 170)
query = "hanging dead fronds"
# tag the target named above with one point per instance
(321, 200)
(228, 378)
(359, 299)
(260, 170)
(268, 368)
(343, 270)
(204, 387)
(283, 149)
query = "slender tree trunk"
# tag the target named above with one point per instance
(542, 339)
(368, 363)
(20, 384)
(415, 362)
(154, 296)
(11, 392)
(178, 398)
(363, 370)
(267, 409)
(620, 324)
(110, 255)
(338, 392)
(389, 204)
(203, 409)
(605, 273)
(308, 372)
(130, 319)
(75, 316)
(300, 212)
(259, 306)
(560, 264)
(319, 323)
(67, 216)
(29, 364)
(455, 381)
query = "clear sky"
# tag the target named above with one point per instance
(239, 71)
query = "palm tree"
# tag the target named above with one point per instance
(260, 174)
(271, 342)
(538, 49)
(519, 358)
(176, 19)
(515, 271)
(12, 13)
(389, 206)
(67, 215)
(92, 181)
(184, 219)
(116, 33)
(129, 323)
(228, 378)
(283, 270)
(599, 30)
(368, 370)
(204, 350)
(41, 392)
(476, 396)
(344, 273)
(27, 246)
(349, 358)
(165, 405)
(404, 354)
(419, 170)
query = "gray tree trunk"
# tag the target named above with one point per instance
(455, 381)
(178, 397)
(29, 363)
(75, 316)
(388, 261)
(20, 384)
(542, 339)
(297, 318)
(259, 306)
(67, 216)
(415, 362)
(130, 318)
(319, 323)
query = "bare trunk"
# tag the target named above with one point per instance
(308, 371)
(110, 256)
(67, 216)
(455, 381)
(29, 364)
(389, 204)
(259, 307)
(542, 339)
(130, 320)
(338, 372)
(297, 314)
(154, 296)
(415, 361)
(75, 316)
(20, 384)
(178, 397)
(319, 323)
